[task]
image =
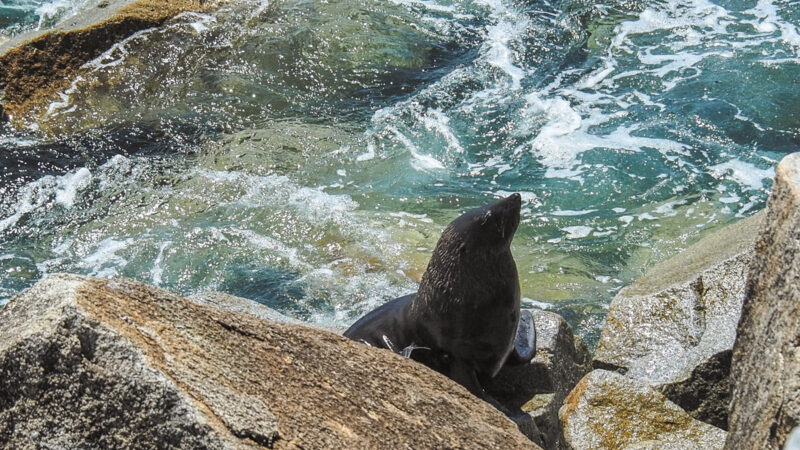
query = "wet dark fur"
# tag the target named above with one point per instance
(463, 320)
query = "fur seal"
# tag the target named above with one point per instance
(463, 320)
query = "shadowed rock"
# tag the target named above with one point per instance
(89, 363)
(540, 387)
(765, 369)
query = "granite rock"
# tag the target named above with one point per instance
(765, 368)
(607, 410)
(232, 303)
(674, 328)
(91, 363)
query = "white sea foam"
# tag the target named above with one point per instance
(104, 262)
(69, 185)
(567, 212)
(17, 142)
(577, 232)
(499, 54)
(565, 135)
(421, 161)
(38, 194)
(312, 204)
(529, 302)
(427, 4)
(436, 120)
(65, 97)
(290, 254)
(668, 209)
(50, 13)
(417, 217)
(199, 22)
(744, 173)
(526, 196)
(157, 272)
(767, 20)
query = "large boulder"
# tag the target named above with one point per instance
(674, 328)
(765, 371)
(607, 410)
(90, 363)
(540, 387)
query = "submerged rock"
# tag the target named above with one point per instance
(540, 387)
(34, 66)
(607, 410)
(674, 328)
(765, 365)
(90, 363)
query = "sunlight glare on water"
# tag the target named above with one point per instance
(308, 154)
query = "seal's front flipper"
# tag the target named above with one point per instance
(525, 342)
(464, 374)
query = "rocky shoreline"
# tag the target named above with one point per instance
(115, 363)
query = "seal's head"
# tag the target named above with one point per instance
(489, 228)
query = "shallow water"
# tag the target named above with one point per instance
(308, 154)
(17, 16)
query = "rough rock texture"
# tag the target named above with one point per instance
(674, 328)
(539, 388)
(607, 410)
(89, 363)
(32, 71)
(765, 370)
(232, 303)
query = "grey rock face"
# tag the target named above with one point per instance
(70, 383)
(607, 410)
(89, 363)
(674, 327)
(539, 388)
(765, 370)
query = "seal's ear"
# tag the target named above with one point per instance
(462, 248)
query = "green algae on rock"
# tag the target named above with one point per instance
(607, 410)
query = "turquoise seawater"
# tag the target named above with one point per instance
(17, 16)
(307, 154)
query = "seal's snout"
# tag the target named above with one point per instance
(510, 205)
